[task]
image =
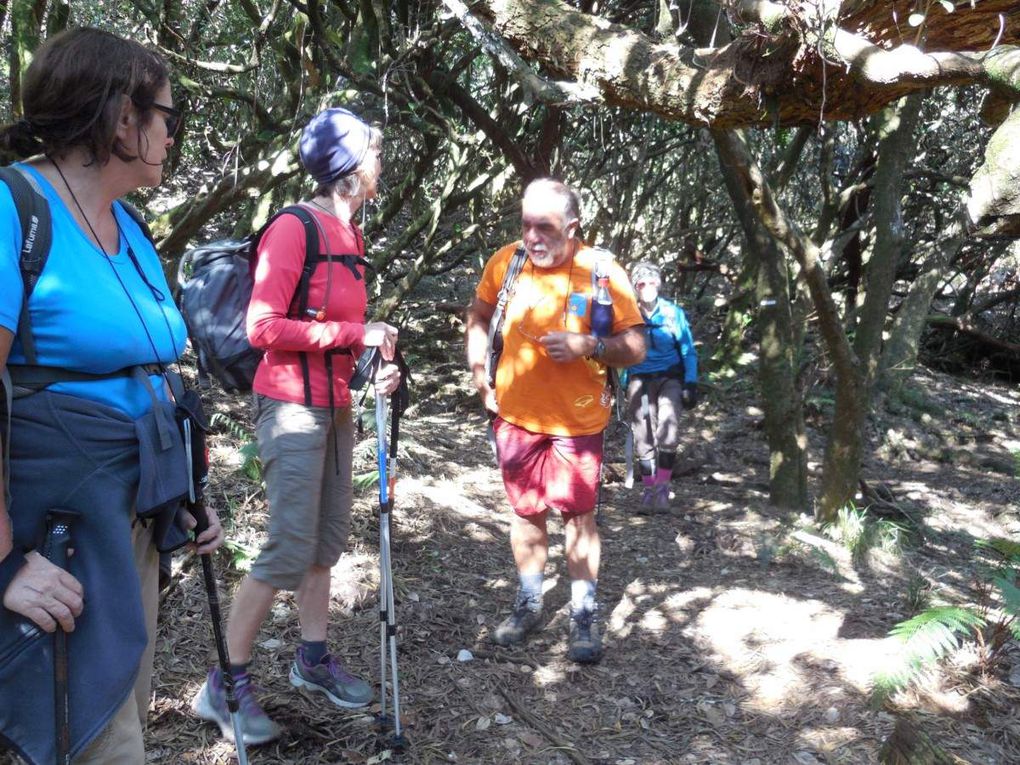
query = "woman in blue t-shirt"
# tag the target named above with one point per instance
(658, 387)
(91, 426)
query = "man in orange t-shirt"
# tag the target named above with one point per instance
(551, 400)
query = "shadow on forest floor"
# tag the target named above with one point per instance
(733, 634)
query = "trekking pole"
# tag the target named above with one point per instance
(55, 549)
(387, 607)
(198, 471)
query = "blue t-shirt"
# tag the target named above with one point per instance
(81, 315)
(669, 341)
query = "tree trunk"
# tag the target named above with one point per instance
(781, 399)
(26, 25)
(844, 447)
(895, 129)
(738, 314)
(900, 355)
(783, 69)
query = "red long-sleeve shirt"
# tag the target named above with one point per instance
(281, 257)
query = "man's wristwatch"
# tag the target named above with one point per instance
(600, 349)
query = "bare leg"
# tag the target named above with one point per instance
(583, 547)
(529, 540)
(250, 608)
(313, 603)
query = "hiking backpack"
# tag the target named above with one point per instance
(214, 285)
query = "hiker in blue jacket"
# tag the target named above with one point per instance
(658, 387)
(92, 426)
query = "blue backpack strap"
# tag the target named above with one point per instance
(36, 238)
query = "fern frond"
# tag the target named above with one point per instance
(928, 636)
(933, 632)
(1004, 548)
(251, 465)
(364, 481)
(1014, 628)
(1010, 593)
(233, 427)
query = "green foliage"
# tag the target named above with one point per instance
(858, 532)
(1016, 462)
(251, 465)
(990, 622)
(927, 637)
(918, 595)
(915, 398)
(365, 481)
(242, 556)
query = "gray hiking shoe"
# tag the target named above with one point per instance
(329, 677)
(524, 619)
(585, 636)
(211, 704)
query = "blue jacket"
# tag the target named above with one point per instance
(73, 453)
(670, 343)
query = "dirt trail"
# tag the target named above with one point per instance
(733, 634)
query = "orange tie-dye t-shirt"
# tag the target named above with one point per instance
(534, 392)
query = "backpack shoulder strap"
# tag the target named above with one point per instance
(495, 346)
(36, 238)
(311, 226)
(137, 217)
(300, 298)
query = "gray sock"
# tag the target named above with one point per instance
(531, 589)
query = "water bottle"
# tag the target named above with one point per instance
(601, 307)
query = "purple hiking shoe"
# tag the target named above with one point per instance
(211, 704)
(329, 677)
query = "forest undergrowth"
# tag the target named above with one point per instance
(734, 633)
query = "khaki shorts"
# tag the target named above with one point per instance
(306, 461)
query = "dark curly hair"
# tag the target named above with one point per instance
(73, 91)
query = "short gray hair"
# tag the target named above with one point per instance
(571, 199)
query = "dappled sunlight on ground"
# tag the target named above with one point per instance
(766, 639)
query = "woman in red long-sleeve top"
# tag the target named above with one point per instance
(303, 421)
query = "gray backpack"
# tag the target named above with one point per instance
(214, 284)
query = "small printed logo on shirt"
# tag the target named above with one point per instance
(577, 304)
(606, 399)
(584, 401)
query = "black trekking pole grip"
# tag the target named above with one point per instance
(198, 512)
(56, 549)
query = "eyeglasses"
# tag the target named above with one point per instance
(528, 335)
(526, 318)
(172, 118)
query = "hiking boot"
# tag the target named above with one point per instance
(211, 704)
(329, 677)
(585, 636)
(647, 503)
(524, 619)
(661, 499)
